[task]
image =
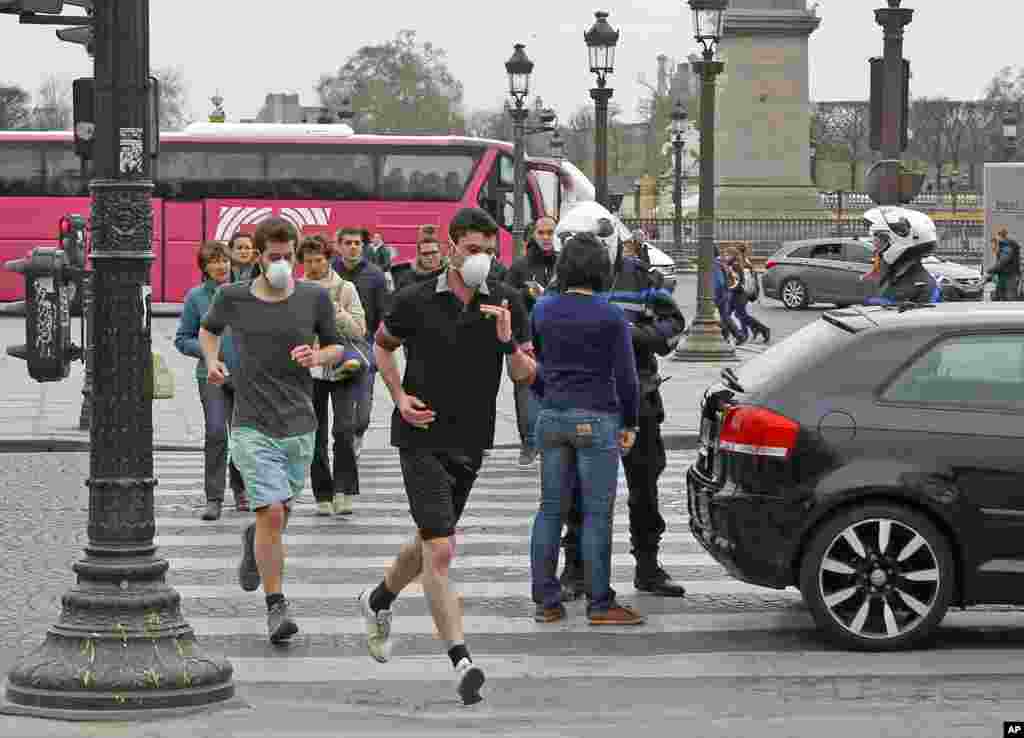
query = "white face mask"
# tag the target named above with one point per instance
(474, 270)
(279, 274)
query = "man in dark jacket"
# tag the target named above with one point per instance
(657, 325)
(530, 274)
(1006, 270)
(429, 262)
(351, 264)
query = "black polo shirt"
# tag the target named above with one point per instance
(453, 362)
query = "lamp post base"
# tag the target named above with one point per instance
(704, 343)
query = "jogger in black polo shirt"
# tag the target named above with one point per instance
(457, 330)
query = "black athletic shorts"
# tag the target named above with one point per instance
(437, 484)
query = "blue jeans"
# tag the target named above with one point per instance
(583, 442)
(527, 407)
(364, 391)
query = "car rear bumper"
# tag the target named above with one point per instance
(747, 534)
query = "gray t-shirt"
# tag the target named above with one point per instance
(273, 394)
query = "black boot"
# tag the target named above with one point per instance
(650, 577)
(573, 586)
(212, 511)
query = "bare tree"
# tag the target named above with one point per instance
(53, 109)
(845, 127)
(982, 121)
(930, 121)
(173, 98)
(14, 110)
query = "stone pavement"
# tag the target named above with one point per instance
(45, 416)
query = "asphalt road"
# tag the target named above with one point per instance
(781, 321)
(729, 659)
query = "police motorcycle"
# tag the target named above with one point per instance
(902, 238)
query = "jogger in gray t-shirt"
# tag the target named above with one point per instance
(274, 322)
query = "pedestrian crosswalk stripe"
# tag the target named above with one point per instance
(468, 590)
(363, 539)
(380, 563)
(338, 525)
(697, 666)
(523, 624)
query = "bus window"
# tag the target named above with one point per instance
(500, 198)
(426, 176)
(194, 175)
(64, 173)
(550, 190)
(327, 176)
(21, 170)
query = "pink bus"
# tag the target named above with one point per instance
(215, 179)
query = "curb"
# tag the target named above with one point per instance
(673, 442)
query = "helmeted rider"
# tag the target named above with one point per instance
(902, 238)
(657, 325)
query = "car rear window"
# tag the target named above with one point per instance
(806, 347)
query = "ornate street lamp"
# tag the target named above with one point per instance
(519, 68)
(601, 40)
(679, 117)
(557, 145)
(704, 341)
(121, 647)
(1010, 132)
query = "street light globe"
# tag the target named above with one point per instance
(601, 40)
(519, 68)
(709, 20)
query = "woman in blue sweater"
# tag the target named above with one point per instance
(218, 402)
(589, 395)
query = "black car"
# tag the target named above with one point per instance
(875, 460)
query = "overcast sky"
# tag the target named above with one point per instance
(247, 48)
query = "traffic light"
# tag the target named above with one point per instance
(48, 349)
(72, 241)
(85, 116)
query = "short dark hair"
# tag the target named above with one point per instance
(274, 229)
(584, 262)
(350, 231)
(315, 244)
(210, 250)
(471, 220)
(427, 234)
(238, 235)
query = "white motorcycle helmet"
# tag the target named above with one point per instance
(901, 231)
(592, 217)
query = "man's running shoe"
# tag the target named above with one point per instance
(469, 678)
(378, 629)
(280, 625)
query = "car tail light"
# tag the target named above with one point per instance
(757, 432)
(769, 264)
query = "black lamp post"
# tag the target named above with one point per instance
(704, 341)
(519, 68)
(557, 145)
(1010, 132)
(121, 647)
(679, 117)
(601, 40)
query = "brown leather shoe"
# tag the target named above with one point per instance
(617, 615)
(549, 614)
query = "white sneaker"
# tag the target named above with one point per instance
(468, 679)
(324, 508)
(343, 504)
(378, 629)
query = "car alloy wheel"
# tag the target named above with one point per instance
(878, 577)
(794, 294)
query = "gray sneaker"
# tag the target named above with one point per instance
(280, 625)
(378, 629)
(248, 573)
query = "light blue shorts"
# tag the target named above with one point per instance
(274, 469)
